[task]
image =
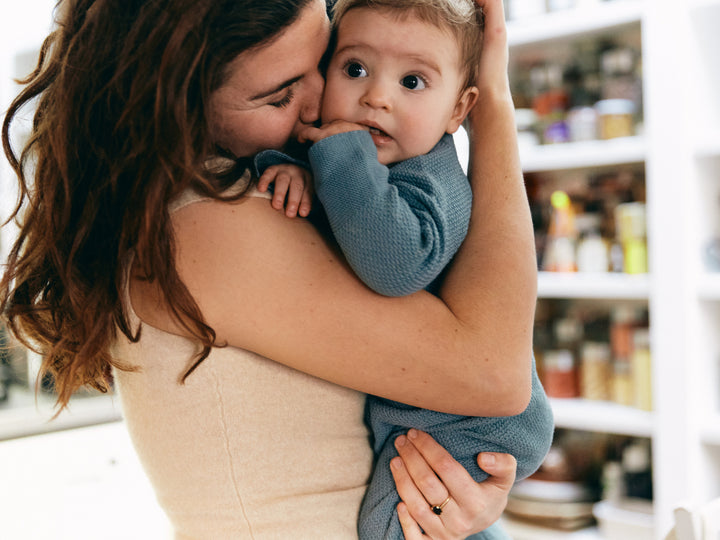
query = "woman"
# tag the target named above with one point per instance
(239, 340)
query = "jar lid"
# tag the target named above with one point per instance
(615, 106)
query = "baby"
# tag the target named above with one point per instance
(385, 169)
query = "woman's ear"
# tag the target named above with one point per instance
(465, 102)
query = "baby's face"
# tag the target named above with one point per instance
(401, 77)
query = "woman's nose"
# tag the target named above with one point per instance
(376, 96)
(310, 112)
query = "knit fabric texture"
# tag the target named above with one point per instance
(526, 436)
(399, 227)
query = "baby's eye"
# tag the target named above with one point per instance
(413, 82)
(355, 70)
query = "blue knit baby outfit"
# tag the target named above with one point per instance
(399, 227)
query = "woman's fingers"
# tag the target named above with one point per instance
(494, 59)
(500, 467)
(426, 475)
(453, 479)
(414, 511)
(421, 467)
(411, 530)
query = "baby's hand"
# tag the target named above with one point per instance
(291, 181)
(315, 134)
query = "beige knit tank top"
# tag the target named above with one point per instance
(246, 448)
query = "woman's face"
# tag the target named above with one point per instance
(271, 92)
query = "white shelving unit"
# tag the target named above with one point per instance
(680, 151)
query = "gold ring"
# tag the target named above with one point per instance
(438, 508)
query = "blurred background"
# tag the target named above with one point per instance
(618, 119)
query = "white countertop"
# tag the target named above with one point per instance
(80, 484)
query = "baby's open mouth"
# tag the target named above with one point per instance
(376, 131)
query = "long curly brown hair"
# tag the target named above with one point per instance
(119, 129)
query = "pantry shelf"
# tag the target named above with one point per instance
(593, 285)
(23, 415)
(603, 417)
(574, 22)
(586, 154)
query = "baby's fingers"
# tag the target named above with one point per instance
(267, 178)
(298, 185)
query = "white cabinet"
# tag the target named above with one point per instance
(679, 148)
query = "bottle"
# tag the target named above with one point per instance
(592, 251)
(621, 391)
(615, 117)
(613, 482)
(642, 370)
(622, 326)
(560, 255)
(582, 123)
(560, 375)
(595, 371)
(637, 470)
(631, 232)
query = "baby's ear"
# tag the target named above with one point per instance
(465, 102)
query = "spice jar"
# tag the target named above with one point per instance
(560, 376)
(595, 373)
(615, 118)
(630, 226)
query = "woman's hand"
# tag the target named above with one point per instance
(426, 475)
(493, 70)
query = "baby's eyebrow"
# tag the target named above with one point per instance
(276, 89)
(428, 62)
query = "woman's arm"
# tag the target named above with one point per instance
(275, 286)
(499, 251)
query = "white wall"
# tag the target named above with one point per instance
(23, 26)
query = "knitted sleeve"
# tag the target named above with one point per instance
(398, 227)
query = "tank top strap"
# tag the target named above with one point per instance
(191, 196)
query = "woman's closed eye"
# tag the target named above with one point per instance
(283, 101)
